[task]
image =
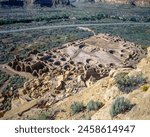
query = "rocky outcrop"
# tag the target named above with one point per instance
(143, 3)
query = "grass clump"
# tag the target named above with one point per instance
(42, 116)
(120, 105)
(129, 83)
(133, 19)
(77, 107)
(93, 105)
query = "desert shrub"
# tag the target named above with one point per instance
(148, 20)
(13, 21)
(128, 83)
(145, 87)
(3, 77)
(42, 116)
(17, 80)
(93, 18)
(14, 82)
(133, 19)
(100, 16)
(120, 105)
(93, 105)
(124, 19)
(77, 107)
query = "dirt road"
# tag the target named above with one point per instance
(68, 26)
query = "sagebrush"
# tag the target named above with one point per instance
(120, 105)
(129, 83)
(93, 105)
(77, 107)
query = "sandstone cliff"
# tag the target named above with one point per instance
(30, 3)
(133, 2)
(50, 3)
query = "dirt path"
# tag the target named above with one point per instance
(10, 71)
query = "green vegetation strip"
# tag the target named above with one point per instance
(67, 17)
(15, 82)
(38, 19)
(3, 78)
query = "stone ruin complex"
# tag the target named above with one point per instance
(77, 64)
(63, 71)
(95, 57)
